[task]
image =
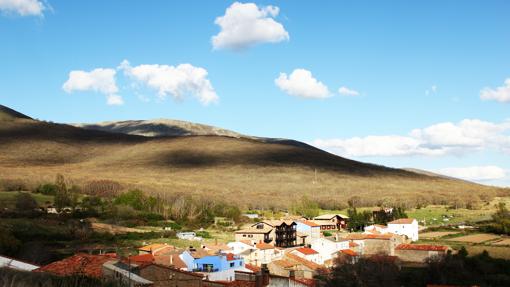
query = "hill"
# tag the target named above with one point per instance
(248, 171)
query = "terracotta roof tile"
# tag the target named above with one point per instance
(353, 244)
(284, 263)
(307, 263)
(309, 223)
(402, 221)
(305, 281)
(253, 268)
(82, 264)
(264, 246)
(307, 251)
(349, 252)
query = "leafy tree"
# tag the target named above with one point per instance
(47, 189)
(306, 207)
(25, 202)
(134, 198)
(358, 220)
(62, 197)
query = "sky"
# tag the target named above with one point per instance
(398, 83)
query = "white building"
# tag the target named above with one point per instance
(404, 226)
(312, 230)
(308, 254)
(256, 253)
(329, 247)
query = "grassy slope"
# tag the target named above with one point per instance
(240, 170)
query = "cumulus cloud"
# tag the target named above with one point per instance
(99, 80)
(301, 83)
(22, 7)
(476, 173)
(344, 91)
(176, 81)
(439, 139)
(246, 24)
(500, 94)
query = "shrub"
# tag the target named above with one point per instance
(47, 189)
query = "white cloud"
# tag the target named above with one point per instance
(500, 94)
(439, 139)
(476, 173)
(99, 80)
(344, 91)
(246, 24)
(174, 81)
(301, 83)
(432, 90)
(23, 7)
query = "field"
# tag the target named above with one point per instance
(8, 199)
(503, 242)
(436, 234)
(475, 238)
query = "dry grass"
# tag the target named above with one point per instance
(503, 242)
(475, 238)
(114, 229)
(244, 171)
(436, 234)
(496, 252)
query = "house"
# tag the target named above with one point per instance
(216, 266)
(349, 255)
(311, 229)
(256, 253)
(7, 262)
(404, 226)
(167, 276)
(372, 244)
(308, 254)
(188, 236)
(329, 247)
(331, 221)
(125, 274)
(419, 253)
(303, 268)
(280, 233)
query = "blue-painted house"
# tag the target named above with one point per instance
(216, 266)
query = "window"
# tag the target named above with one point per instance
(244, 235)
(232, 264)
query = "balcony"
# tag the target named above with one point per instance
(207, 270)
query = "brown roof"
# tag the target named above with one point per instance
(199, 253)
(353, 244)
(305, 281)
(142, 259)
(264, 246)
(307, 251)
(402, 221)
(422, 247)
(349, 252)
(284, 263)
(253, 268)
(307, 263)
(266, 229)
(78, 264)
(170, 260)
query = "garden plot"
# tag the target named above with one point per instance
(475, 238)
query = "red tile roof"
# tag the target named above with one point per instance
(253, 268)
(402, 221)
(360, 236)
(78, 264)
(422, 247)
(264, 246)
(142, 259)
(353, 244)
(349, 252)
(230, 257)
(307, 263)
(307, 251)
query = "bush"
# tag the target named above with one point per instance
(47, 189)
(13, 185)
(203, 234)
(25, 202)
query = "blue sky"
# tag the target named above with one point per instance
(424, 83)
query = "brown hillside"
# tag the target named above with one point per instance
(242, 170)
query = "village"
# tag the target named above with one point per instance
(290, 251)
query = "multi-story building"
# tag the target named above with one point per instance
(280, 233)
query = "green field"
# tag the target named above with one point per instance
(8, 198)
